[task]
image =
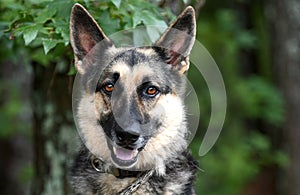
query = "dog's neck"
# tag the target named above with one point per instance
(120, 173)
(141, 176)
(99, 165)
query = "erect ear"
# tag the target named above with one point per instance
(85, 34)
(177, 41)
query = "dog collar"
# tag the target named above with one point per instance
(137, 183)
(99, 165)
(142, 177)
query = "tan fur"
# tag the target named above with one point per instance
(159, 148)
(169, 140)
(165, 148)
(92, 134)
(131, 75)
(147, 52)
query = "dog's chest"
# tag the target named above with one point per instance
(112, 185)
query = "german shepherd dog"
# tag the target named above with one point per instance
(131, 114)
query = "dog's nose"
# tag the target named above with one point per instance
(126, 139)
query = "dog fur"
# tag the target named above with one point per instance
(121, 120)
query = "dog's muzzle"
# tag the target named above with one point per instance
(125, 148)
(126, 138)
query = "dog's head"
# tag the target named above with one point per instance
(132, 101)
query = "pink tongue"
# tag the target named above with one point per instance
(124, 154)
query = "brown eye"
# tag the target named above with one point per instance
(108, 88)
(151, 91)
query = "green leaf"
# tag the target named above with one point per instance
(117, 3)
(136, 19)
(46, 15)
(140, 37)
(30, 33)
(63, 9)
(108, 24)
(72, 71)
(62, 28)
(147, 18)
(50, 44)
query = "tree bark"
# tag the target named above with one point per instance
(54, 132)
(285, 21)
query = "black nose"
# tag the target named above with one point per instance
(126, 139)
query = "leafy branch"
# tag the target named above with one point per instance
(46, 23)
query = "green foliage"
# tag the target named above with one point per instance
(9, 111)
(241, 151)
(235, 161)
(39, 23)
(46, 23)
(26, 174)
(260, 100)
(12, 108)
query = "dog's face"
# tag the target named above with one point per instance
(131, 113)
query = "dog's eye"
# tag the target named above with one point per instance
(151, 91)
(108, 88)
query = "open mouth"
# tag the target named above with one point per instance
(124, 157)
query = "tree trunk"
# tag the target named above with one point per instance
(285, 21)
(54, 132)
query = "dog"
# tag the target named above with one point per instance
(131, 113)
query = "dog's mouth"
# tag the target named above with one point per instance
(124, 157)
(124, 145)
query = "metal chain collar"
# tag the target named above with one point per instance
(137, 183)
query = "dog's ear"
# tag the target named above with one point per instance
(177, 41)
(85, 34)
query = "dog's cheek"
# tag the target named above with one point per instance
(169, 110)
(93, 136)
(170, 136)
(102, 106)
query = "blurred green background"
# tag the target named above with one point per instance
(255, 43)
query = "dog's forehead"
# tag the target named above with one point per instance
(135, 64)
(135, 73)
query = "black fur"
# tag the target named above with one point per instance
(133, 130)
(84, 176)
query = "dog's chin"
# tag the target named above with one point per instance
(124, 158)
